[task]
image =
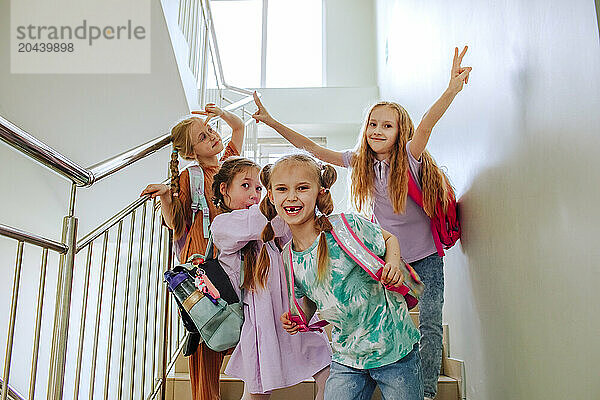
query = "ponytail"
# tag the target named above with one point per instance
(328, 176)
(249, 257)
(261, 270)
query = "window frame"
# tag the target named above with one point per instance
(264, 38)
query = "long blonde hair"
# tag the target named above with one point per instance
(182, 145)
(325, 176)
(434, 183)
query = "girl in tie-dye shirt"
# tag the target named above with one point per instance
(373, 338)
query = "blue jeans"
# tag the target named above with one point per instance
(431, 272)
(401, 380)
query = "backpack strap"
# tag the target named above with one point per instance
(351, 244)
(199, 203)
(210, 254)
(296, 312)
(415, 193)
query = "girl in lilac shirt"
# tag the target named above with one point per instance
(266, 358)
(388, 150)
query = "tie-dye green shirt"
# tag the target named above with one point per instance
(371, 325)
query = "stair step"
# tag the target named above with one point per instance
(178, 388)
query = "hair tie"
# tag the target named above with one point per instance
(176, 194)
(174, 151)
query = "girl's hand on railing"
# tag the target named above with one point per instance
(211, 111)
(261, 115)
(156, 189)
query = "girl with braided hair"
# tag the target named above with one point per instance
(388, 150)
(194, 139)
(373, 338)
(266, 357)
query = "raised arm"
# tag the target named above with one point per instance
(458, 77)
(298, 140)
(236, 124)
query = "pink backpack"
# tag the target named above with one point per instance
(445, 227)
(351, 244)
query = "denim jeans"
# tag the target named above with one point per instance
(431, 272)
(401, 380)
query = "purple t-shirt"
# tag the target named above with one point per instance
(413, 228)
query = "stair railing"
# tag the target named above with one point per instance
(135, 332)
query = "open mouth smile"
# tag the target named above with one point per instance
(292, 210)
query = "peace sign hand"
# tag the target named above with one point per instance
(459, 75)
(211, 111)
(261, 115)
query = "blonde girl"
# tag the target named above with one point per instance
(194, 139)
(266, 358)
(388, 149)
(373, 338)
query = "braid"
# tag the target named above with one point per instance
(178, 213)
(174, 169)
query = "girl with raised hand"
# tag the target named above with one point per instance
(266, 358)
(194, 139)
(373, 338)
(388, 149)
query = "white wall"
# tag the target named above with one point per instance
(521, 144)
(349, 38)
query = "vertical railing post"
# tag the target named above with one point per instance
(62, 309)
(203, 62)
(166, 325)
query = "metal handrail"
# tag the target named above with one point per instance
(55, 161)
(12, 394)
(42, 153)
(93, 235)
(110, 166)
(27, 237)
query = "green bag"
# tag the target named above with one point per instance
(218, 322)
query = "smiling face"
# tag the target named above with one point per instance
(294, 190)
(205, 142)
(382, 131)
(243, 191)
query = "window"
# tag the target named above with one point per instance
(270, 43)
(270, 149)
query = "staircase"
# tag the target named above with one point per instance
(450, 382)
(104, 301)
